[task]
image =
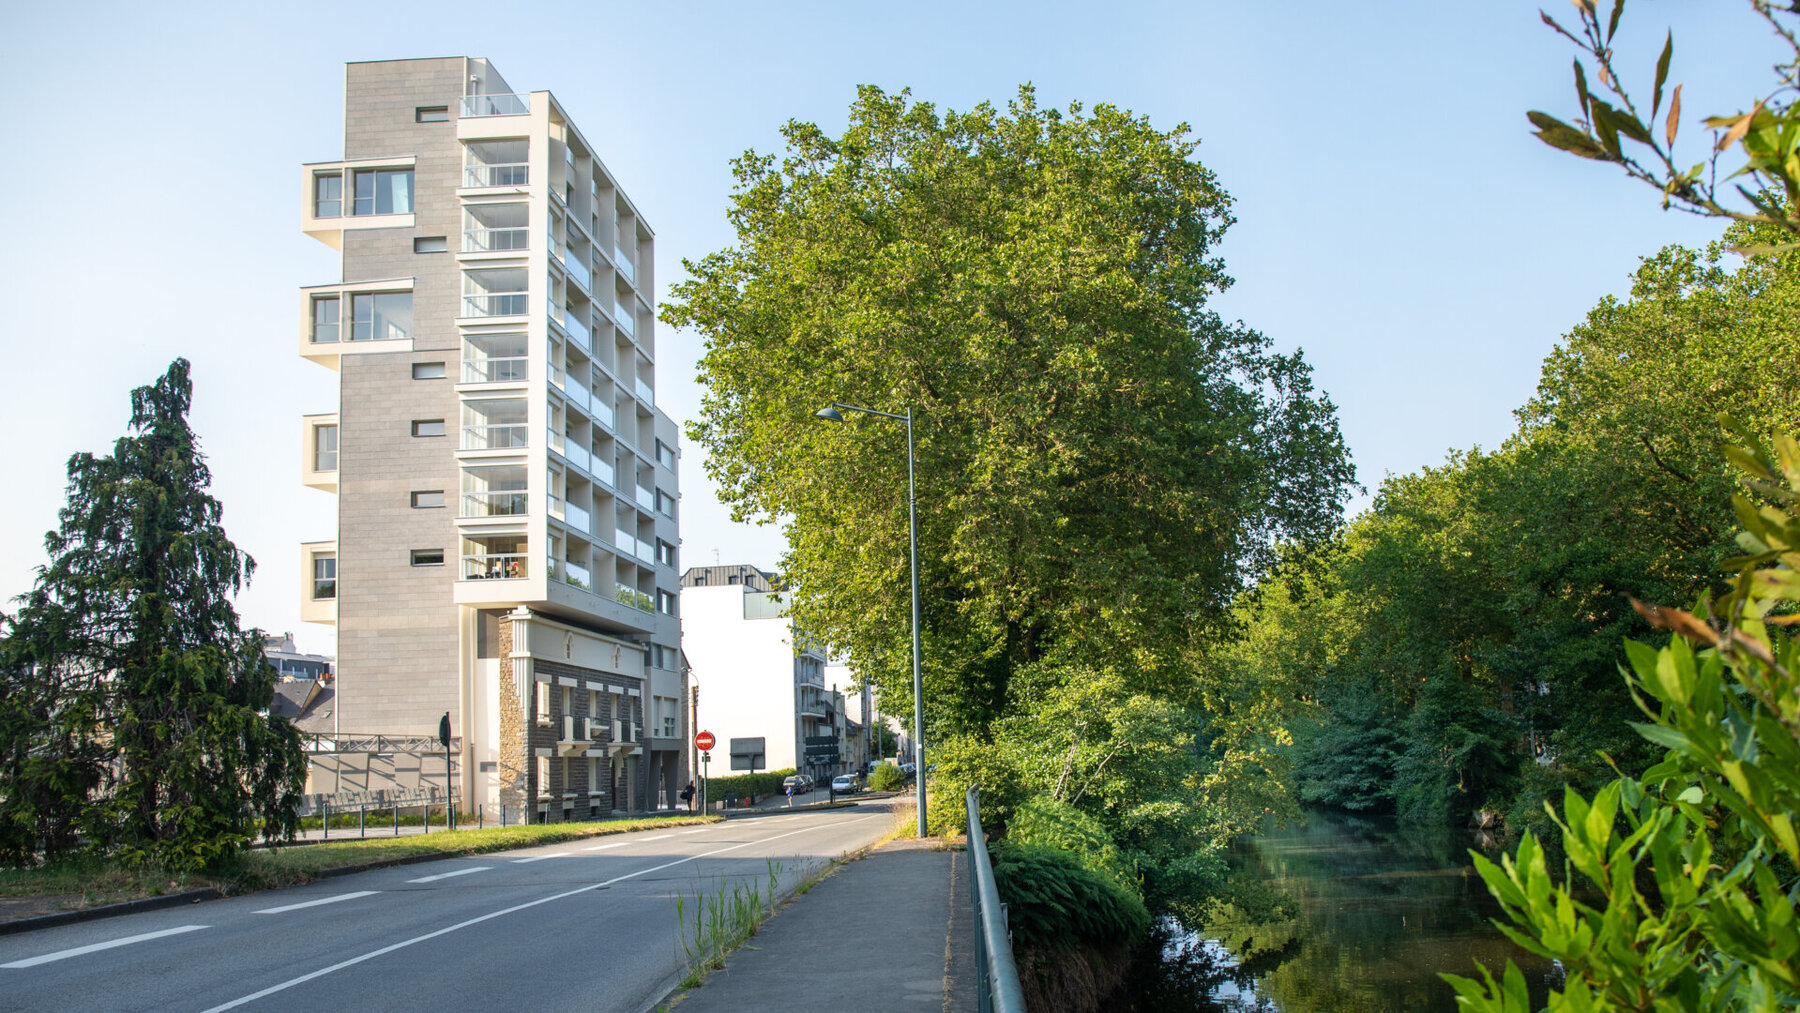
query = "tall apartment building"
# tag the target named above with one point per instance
(506, 486)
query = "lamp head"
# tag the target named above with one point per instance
(829, 415)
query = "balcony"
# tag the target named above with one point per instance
(626, 320)
(495, 105)
(578, 271)
(496, 240)
(626, 270)
(600, 409)
(504, 174)
(572, 451)
(576, 575)
(629, 544)
(646, 499)
(502, 437)
(579, 334)
(492, 504)
(631, 597)
(602, 470)
(578, 518)
(646, 392)
(495, 566)
(578, 735)
(512, 369)
(492, 304)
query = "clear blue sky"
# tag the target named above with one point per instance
(1396, 219)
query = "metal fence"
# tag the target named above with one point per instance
(997, 978)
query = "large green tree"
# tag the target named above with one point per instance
(136, 710)
(1102, 460)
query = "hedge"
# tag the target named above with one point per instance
(739, 785)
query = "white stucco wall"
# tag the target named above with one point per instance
(743, 672)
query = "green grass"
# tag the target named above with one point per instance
(89, 881)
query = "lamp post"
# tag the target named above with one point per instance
(835, 414)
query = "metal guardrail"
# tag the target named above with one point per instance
(997, 977)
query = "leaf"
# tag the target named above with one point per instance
(1674, 116)
(1564, 32)
(1558, 134)
(1581, 88)
(1739, 129)
(1662, 72)
(1675, 620)
(1612, 24)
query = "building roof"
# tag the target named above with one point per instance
(750, 578)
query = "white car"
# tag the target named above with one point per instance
(845, 784)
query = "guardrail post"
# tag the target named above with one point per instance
(362, 821)
(998, 987)
(325, 823)
(396, 819)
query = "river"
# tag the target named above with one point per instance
(1339, 914)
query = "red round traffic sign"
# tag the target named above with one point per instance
(704, 740)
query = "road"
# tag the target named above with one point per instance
(586, 925)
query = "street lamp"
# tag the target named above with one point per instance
(835, 414)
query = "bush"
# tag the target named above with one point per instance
(964, 761)
(767, 782)
(1054, 901)
(886, 777)
(1045, 822)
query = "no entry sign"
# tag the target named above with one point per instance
(704, 740)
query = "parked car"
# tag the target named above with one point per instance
(845, 784)
(801, 783)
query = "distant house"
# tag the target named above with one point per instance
(292, 664)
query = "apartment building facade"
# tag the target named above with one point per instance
(506, 541)
(753, 675)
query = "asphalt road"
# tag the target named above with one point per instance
(588, 925)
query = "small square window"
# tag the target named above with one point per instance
(431, 114)
(428, 557)
(428, 499)
(428, 370)
(431, 244)
(428, 427)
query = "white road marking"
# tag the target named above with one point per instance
(315, 903)
(701, 830)
(539, 858)
(390, 948)
(603, 847)
(451, 875)
(658, 837)
(96, 947)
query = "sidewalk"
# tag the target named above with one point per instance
(887, 932)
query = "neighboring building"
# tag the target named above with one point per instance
(753, 677)
(285, 655)
(506, 486)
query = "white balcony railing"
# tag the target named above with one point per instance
(579, 272)
(578, 332)
(495, 240)
(646, 392)
(646, 498)
(601, 409)
(626, 320)
(507, 370)
(495, 566)
(496, 105)
(498, 174)
(626, 269)
(576, 395)
(495, 304)
(602, 470)
(505, 437)
(578, 518)
(492, 504)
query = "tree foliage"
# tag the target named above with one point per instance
(1102, 460)
(135, 712)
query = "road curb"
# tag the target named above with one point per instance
(123, 907)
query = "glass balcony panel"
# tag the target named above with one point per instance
(646, 498)
(578, 271)
(601, 409)
(496, 105)
(495, 240)
(578, 332)
(576, 395)
(602, 469)
(512, 369)
(626, 320)
(626, 269)
(493, 504)
(556, 442)
(495, 566)
(577, 575)
(556, 507)
(509, 174)
(503, 437)
(578, 456)
(646, 392)
(578, 518)
(505, 304)
(630, 596)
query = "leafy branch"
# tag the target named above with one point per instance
(1768, 134)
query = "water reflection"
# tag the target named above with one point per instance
(1343, 914)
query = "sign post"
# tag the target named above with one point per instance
(822, 752)
(449, 785)
(704, 742)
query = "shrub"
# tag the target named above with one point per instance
(886, 777)
(964, 761)
(1045, 822)
(1054, 901)
(766, 782)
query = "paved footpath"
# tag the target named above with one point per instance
(890, 931)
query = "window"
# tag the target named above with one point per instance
(431, 114)
(324, 319)
(665, 455)
(324, 576)
(665, 603)
(325, 448)
(666, 720)
(381, 316)
(428, 499)
(543, 702)
(594, 780)
(428, 371)
(665, 504)
(431, 244)
(428, 557)
(428, 427)
(665, 553)
(382, 192)
(543, 775)
(328, 195)
(733, 579)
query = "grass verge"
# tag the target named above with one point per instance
(89, 881)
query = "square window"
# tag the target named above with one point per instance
(428, 427)
(428, 499)
(431, 114)
(428, 370)
(431, 244)
(325, 448)
(325, 319)
(382, 192)
(328, 195)
(381, 316)
(428, 557)
(324, 576)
